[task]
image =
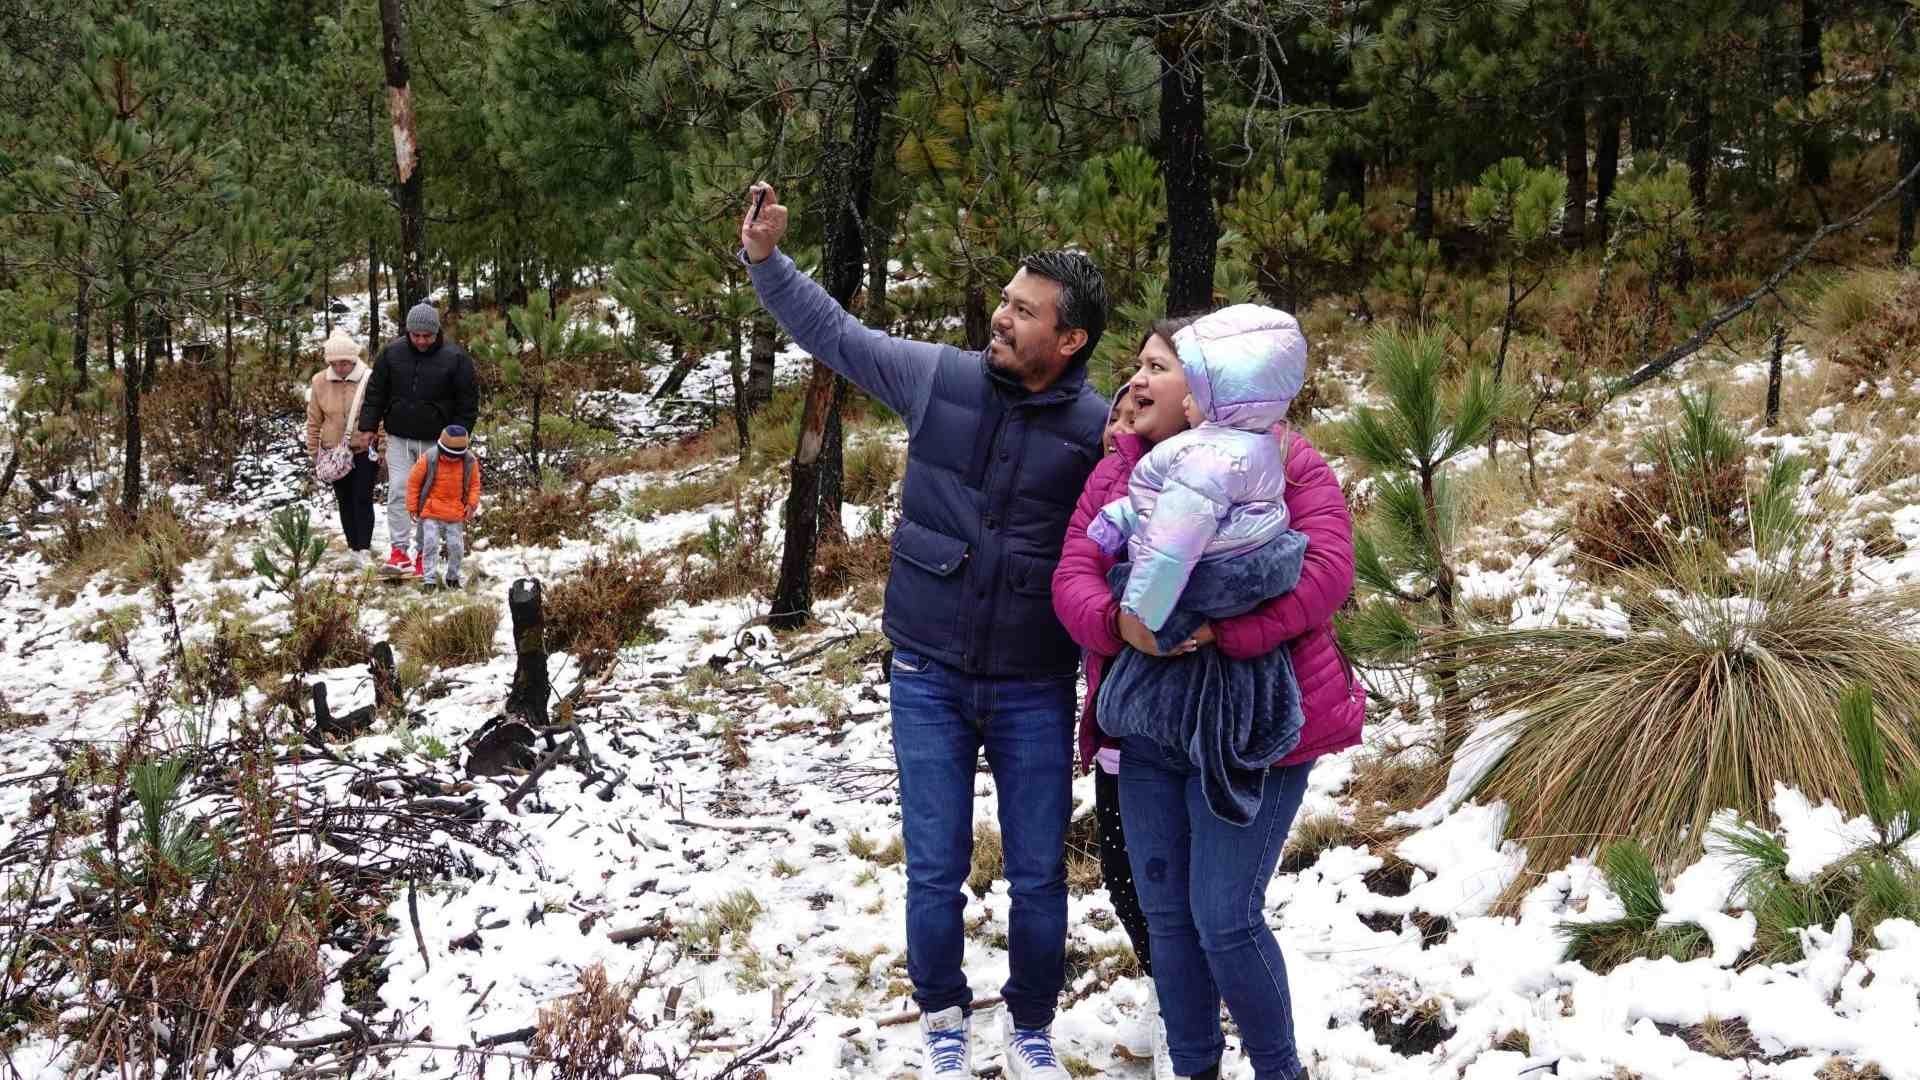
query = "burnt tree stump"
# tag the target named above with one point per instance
(385, 685)
(528, 698)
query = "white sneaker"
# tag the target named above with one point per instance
(1030, 1054)
(946, 1045)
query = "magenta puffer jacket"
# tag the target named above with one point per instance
(1331, 695)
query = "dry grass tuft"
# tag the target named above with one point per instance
(591, 1033)
(1725, 685)
(602, 607)
(440, 638)
(989, 859)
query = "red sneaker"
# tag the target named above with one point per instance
(397, 562)
(419, 568)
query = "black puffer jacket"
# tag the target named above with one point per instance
(417, 394)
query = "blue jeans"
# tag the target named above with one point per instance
(1203, 886)
(942, 719)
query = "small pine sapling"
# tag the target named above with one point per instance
(292, 551)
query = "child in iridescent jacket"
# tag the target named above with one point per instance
(1216, 490)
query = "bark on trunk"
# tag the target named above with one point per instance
(373, 242)
(406, 156)
(1910, 195)
(1606, 165)
(130, 475)
(1773, 376)
(82, 325)
(1816, 153)
(760, 364)
(683, 363)
(1193, 232)
(1423, 200)
(975, 321)
(844, 265)
(528, 697)
(742, 400)
(1699, 146)
(1573, 137)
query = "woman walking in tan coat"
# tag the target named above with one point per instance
(333, 397)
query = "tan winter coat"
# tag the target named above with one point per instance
(328, 399)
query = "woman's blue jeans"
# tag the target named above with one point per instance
(1203, 886)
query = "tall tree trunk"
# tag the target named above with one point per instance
(1573, 131)
(975, 322)
(1910, 195)
(760, 364)
(851, 162)
(1422, 198)
(742, 397)
(1193, 232)
(226, 394)
(1347, 175)
(1606, 163)
(1699, 144)
(156, 335)
(453, 286)
(326, 296)
(373, 241)
(682, 361)
(1816, 152)
(833, 468)
(130, 401)
(82, 326)
(406, 157)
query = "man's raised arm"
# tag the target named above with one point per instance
(895, 371)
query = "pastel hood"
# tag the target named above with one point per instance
(1244, 364)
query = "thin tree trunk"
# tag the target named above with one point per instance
(453, 286)
(975, 322)
(1773, 376)
(742, 397)
(844, 264)
(326, 296)
(833, 468)
(82, 326)
(406, 157)
(226, 393)
(683, 362)
(761, 365)
(1606, 165)
(1699, 145)
(1816, 152)
(1573, 138)
(1910, 196)
(1423, 199)
(130, 401)
(373, 241)
(1193, 232)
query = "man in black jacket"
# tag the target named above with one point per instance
(421, 383)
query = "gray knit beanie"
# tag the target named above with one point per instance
(423, 319)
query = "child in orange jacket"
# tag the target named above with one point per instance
(443, 491)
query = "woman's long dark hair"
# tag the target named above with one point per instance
(1164, 329)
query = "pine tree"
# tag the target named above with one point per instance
(539, 341)
(127, 189)
(1404, 552)
(1291, 235)
(1519, 209)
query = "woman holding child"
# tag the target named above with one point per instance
(1200, 573)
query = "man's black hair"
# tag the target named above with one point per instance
(1083, 294)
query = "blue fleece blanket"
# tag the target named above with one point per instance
(1234, 718)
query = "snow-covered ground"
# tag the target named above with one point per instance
(686, 829)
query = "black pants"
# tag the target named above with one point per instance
(1114, 867)
(354, 493)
